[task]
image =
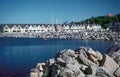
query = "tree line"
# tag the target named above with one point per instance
(104, 21)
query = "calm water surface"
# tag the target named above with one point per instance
(19, 55)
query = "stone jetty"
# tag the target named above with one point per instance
(89, 35)
(82, 62)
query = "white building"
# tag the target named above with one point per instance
(39, 28)
(6, 29)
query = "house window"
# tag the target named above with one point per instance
(14, 31)
(19, 30)
(26, 30)
(6, 31)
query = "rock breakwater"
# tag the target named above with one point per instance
(90, 35)
(82, 62)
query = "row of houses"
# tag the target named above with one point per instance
(115, 27)
(37, 28)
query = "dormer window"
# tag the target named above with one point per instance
(26, 27)
(19, 27)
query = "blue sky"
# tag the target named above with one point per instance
(54, 11)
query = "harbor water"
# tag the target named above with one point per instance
(19, 55)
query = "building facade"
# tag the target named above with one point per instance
(115, 27)
(39, 28)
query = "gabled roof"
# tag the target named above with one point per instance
(6, 27)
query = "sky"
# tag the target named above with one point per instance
(54, 11)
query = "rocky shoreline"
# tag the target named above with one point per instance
(82, 62)
(89, 35)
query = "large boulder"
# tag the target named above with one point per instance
(61, 62)
(110, 64)
(89, 53)
(116, 56)
(75, 68)
(114, 53)
(85, 61)
(70, 53)
(94, 56)
(67, 59)
(114, 48)
(51, 62)
(82, 50)
(117, 72)
(103, 72)
(33, 74)
(88, 71)
(67, 56)
(66, 73)
(91, 76)
(117, 60)
(40, 66)
(41, 69)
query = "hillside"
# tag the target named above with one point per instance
(104, 21)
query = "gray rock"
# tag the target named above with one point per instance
(110, 64)
(66, 73)
(40, 66)
(83, 67)
(68, 59)
(117, 60)
(103, 72)
(88, 71)
(114, 53)
(92, 58)
(99, 55)
(33, 74)
(91, 76)
(116, 56)
(95, 56)
(82, 50)
(54, 73)
(117, 72)
(67, 56)
(93, 69)
(59, 54)
(34, 70)
(51, 61)
(61, 62)
(58, 72)
(75, 68)
(91, 51)
(86, 61)
(113, 49)
(40, 74)
(70, 52)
